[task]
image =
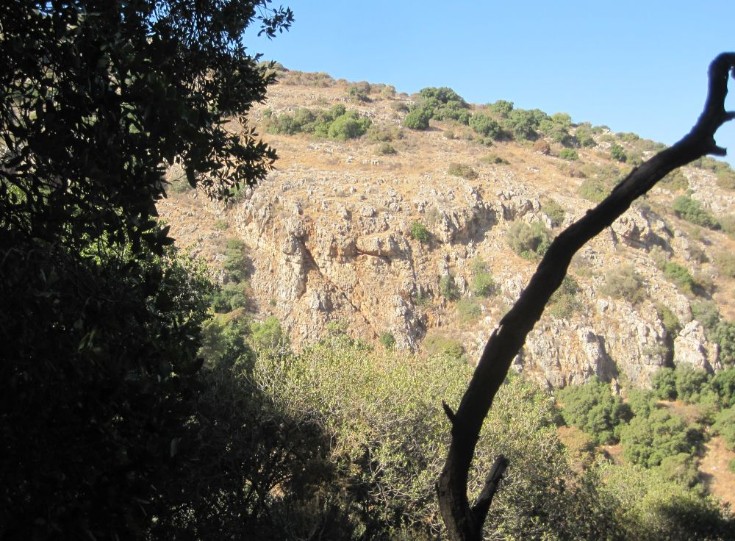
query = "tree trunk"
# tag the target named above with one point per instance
(465, 522)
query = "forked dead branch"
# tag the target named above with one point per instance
(464, 522)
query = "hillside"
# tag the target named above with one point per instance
(424, 238)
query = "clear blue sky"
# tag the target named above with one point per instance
(635, 66)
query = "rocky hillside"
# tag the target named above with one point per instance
(424, 238)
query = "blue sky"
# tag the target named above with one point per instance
(633, 66)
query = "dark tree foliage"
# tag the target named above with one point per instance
(100, 320)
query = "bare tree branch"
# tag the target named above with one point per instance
(463, 522)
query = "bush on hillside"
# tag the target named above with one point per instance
(462, 170)
(664, 383)
(692, 211)
(617, 153)
(690, 383)
(724, 425)
(486, 126)
(448, 287)
(624, 283)
(564, 302)
(649, 440)
(419, 232)
(554, 211)
(723, 385)
(593, 408)
(724, 335)
(529, 241)
(417, 119)
(482, 283)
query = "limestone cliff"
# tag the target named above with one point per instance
(329, 235)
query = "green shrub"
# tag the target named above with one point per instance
(388, 340)
(229, 297)
(448, 288)
(724, 335)
(707, 313)
(669, 320)
(649, 440)
(486, 126)
(724, 425)
(556, 127)
(445, 104)
(502, 108)
(223, 343)
(419, 232)
(482, 283)
(494, 159)
(383, 134)
(593, 408)
(583, 135)
(642, 401)
(664, 383)
(723, 385)
(359, 92)
(690, 382)
(593, 190)
(335, 123)
(681, 469)
(617, 153)
(348, 126)
(692, 211)
(462, 170)
(554, 211)
(417, 119)
(388, 443)
(236, 265)
(529, 241)
(624, 283)
(680, 276)
(599, 181)
(656, 509)
(268, 338)
(563, 302)
(522, 124)
(386, 149)
(568, 154)
(468, 310)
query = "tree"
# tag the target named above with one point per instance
(593, 408)
(465, 522)
(100, 319)
(651, 439)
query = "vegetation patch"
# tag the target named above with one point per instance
(529, 241)
(462, 170)
(624, 283)
(692, 211)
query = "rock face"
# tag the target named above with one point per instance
(692, 348)
(329, 237)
